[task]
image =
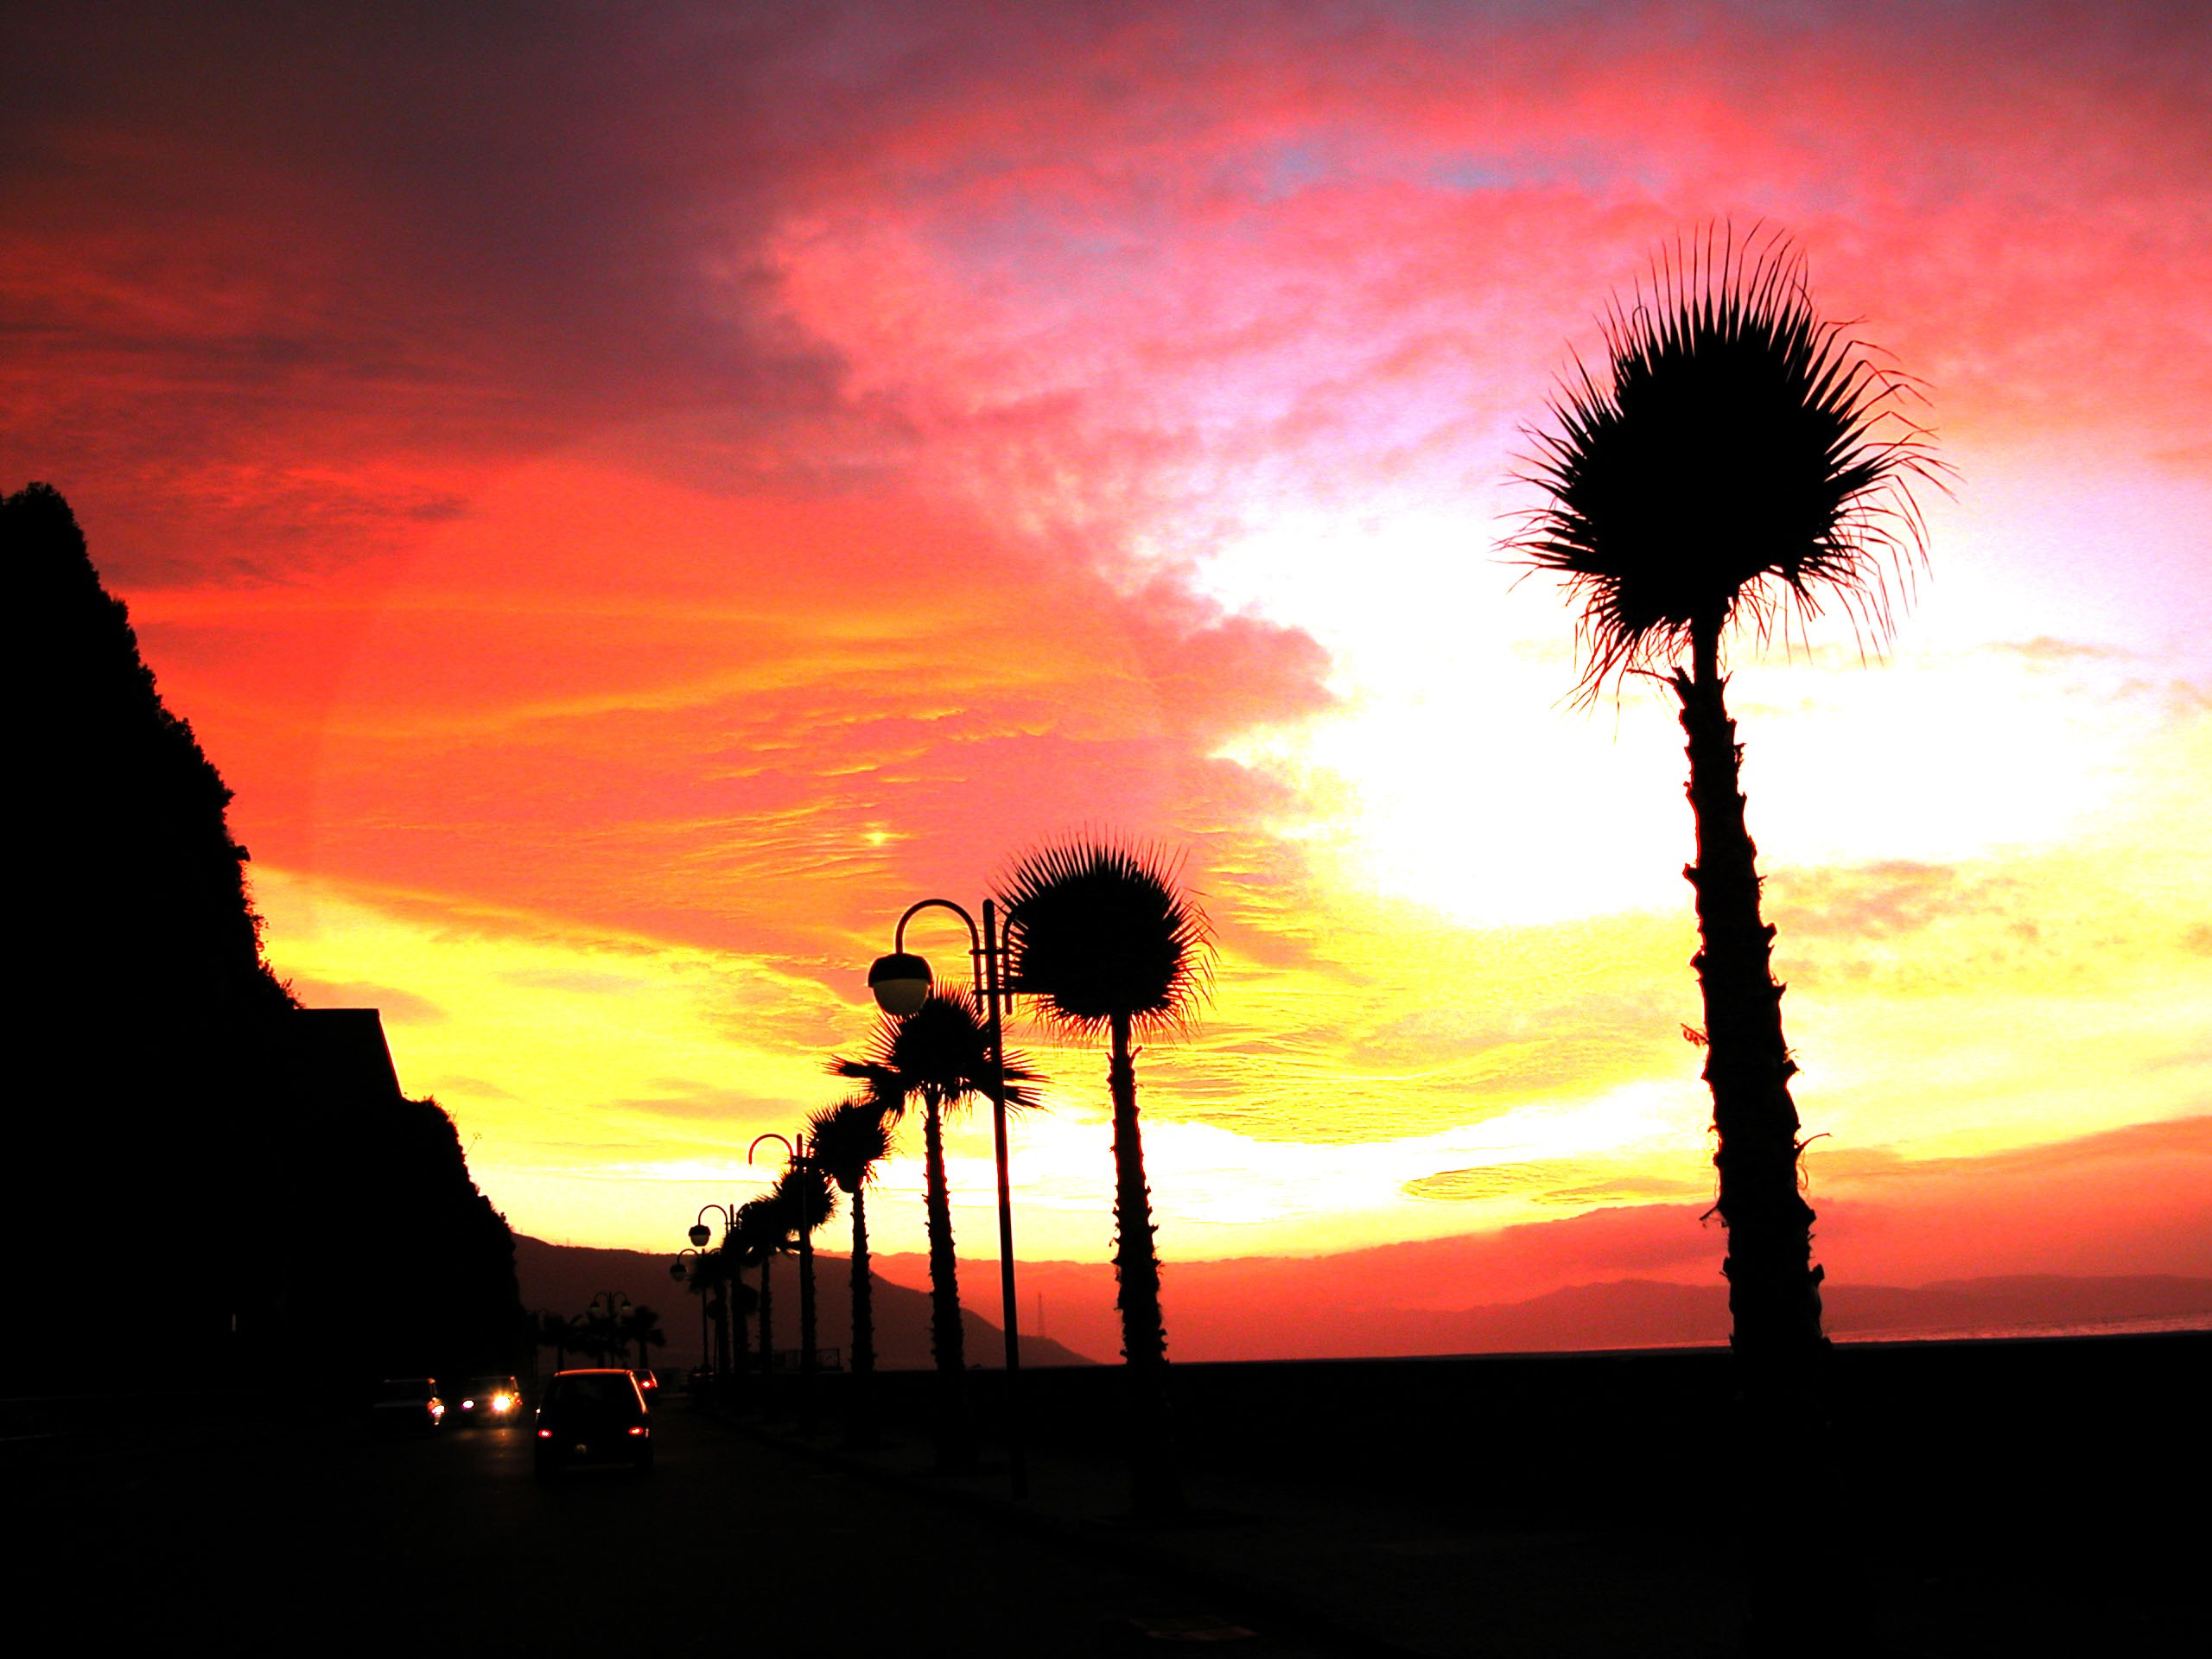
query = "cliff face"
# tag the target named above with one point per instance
(179, 1132)
(400, 1266)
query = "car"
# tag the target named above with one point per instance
(592, 1416)
(488, 1402)
(406, 1405)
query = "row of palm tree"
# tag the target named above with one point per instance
(600, 1333)
(779, 1221)
(939, 1056)
(1740, 462)
(1102, 942)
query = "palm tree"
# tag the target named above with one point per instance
(758, 1235)
(804, 1196)
(706, 1276)
(941, 1054)
(1742, 463)
(560, 1333)
(641, 1325)
(602, 1337)
(847, 1140)
(717, 1275)
(1100, 936)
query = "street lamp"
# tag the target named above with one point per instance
(900, 983)
(701, 1232)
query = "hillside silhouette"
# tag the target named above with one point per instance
(1359, 1304)
(245, 1175)
(563, 1278)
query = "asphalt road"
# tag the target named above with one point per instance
(312, 1537)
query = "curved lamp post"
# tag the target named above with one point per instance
(900, 983)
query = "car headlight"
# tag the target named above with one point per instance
(503, 1402)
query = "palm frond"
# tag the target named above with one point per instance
(803, 1199)
(849, 1140)
(1741, 460)
(882, 1088)
(1096, 927)
(763, 1228)
(941, 1052)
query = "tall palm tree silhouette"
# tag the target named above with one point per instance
(941, 1055)
(1100, 936)
(641, 1325)
(603, 1337)
(708, 1278)
(804, 1202)
(559, 1333)
(849, 1140)
(1742, 464)
(758, 1236)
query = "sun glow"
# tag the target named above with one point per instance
(612, 614)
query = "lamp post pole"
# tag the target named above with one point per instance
(899, 982)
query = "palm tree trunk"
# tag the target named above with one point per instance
(859, 1419)
(1155, 1489)
(806, 1331)
(1773, 1287)
(863, 1291)
(767, 1344)
(734, 1331)
(947, 1344)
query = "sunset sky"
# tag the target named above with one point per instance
(631, 497)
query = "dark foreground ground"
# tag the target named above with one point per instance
(2002, 1502)
(305, 1537)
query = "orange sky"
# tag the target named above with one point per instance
(631, 503)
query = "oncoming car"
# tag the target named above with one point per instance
(488, 1402)
(597, 1416)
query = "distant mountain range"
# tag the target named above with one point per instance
(1291, 1308)
(1648, 1313)
(564, 1279)
(1327, 1307)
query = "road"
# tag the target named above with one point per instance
(159, 1525)
(309, 1536)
